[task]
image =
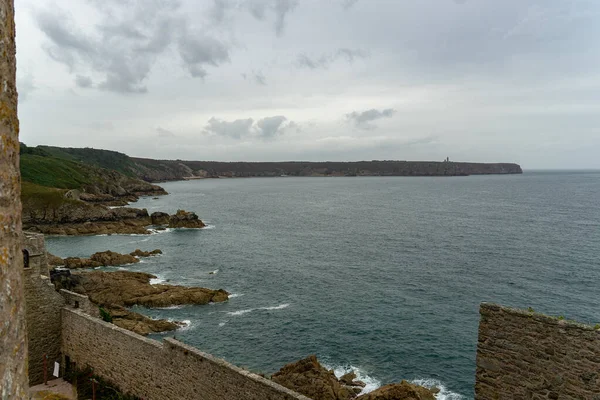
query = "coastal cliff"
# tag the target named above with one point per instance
(151, 170)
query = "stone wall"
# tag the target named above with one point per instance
(43, 305)
(76, 300)
(525, 355)
(13, 332)
(153, 370)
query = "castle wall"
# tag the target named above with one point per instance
(153, 370)
(13, 332)
(524, 355)
(43, 305)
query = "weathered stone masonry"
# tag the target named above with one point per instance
(524, 355)
(43, 305)
(153, 370)
(13, 334)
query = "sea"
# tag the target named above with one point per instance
(380, 275)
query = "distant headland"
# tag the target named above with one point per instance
(151, 170)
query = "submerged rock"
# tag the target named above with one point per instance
(141, 253)
(310, 378)
(399, 391)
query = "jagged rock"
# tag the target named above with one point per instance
(63, 279)
(399, 391)
(54, 260)
(108, 258)
(185, 219)
(77, 262)
(139, 323)
(126, 288)
(348, 378)
(100, 259)
(310, 378)
(159, 218)
(140, 253)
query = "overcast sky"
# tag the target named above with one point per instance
(271, 80)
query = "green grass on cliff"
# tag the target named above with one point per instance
(107, 159)
(40, 199)
(55, 172)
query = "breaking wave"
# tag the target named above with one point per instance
(156, 281)
(242, 312)
(443, 394)
(341, 370)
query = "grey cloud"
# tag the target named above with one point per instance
(350, 54)
(281, 8)
(325, 60)
(164, 133)
(266, 128)
(199, 51)
(363, 119)
(125, 44)
(347, 4)
(234, 129)
(83, 81)
(257, 77)
(270, 127)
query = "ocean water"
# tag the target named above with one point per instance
(382, 275)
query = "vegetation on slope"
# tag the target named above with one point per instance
(100, 158)
(55, 172)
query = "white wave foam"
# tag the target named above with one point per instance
(104, 234)
(341, 370)
(187, 325)
(279, 307)
(177, 307)
(159, 231)
(443, 394)
(156, 281)
(240, 312)
(209, 226)
(222, 323)
(234, 295)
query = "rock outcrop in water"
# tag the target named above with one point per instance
(126, 289)
(400, 391)
(310, 378)
(113, 291)
(185, 219)
(102, 259)
(71, 217)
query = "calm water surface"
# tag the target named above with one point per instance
(381, 274)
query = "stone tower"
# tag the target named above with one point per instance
(13, 336)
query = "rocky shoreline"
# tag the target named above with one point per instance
(115, 291)
(84, 219)
(311, 379)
